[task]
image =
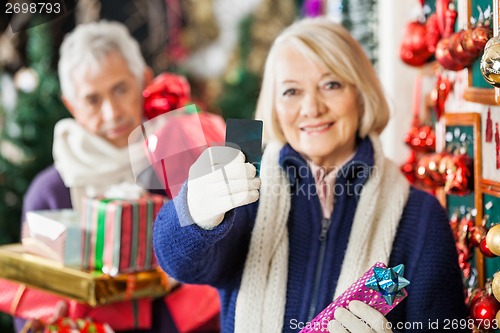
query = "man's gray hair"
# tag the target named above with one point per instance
(89, 43)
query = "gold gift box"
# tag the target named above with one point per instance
(93, 288)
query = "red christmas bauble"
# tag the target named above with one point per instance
(477, 233)
(468, 44)
(444, 57)
(457, 52)
(413, 50)
(483, 310)
(480, 36)
(483, 247)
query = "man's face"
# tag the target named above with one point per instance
(108, 101)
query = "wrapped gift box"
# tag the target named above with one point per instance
(93, 288)
(54, 234)
(30, 303)
(364, 290)
(118, 233)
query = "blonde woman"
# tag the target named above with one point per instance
(327, 206)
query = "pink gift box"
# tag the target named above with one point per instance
(357, 291)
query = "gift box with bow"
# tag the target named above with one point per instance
(380, 287)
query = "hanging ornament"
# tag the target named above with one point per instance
(440, 93)
(414, 50)
(468, 44)
(441, 10)
(490, 62)
(489, 128)
(459, 178)
(444, 57)
(481, 34)
(477, 234)
(432, 33)
(457, 51)
(483, 310)
(493, 239)
(495, 286)
(483, 247)
(450, 18)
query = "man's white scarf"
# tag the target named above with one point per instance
(88, 164)
(260, 306)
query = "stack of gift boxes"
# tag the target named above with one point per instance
(99, 260)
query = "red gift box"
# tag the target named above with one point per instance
(30, 303)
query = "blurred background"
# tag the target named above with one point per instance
(219, 45)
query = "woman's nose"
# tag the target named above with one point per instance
(312, 105)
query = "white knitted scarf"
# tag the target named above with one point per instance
(260, 305)
(88, 164)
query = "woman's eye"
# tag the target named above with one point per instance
(290, 92)
(333, 85)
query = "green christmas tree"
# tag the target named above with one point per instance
(26, 134)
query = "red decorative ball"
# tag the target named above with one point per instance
(483, 247)
(413, 50)
(457, 51)
(477, 233)
(444, 57)
(483, 310)
(480, 36)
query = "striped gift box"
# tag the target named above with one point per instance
(118, 236)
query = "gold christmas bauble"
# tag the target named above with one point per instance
(495, 287)
(490, 62)
(493, 239)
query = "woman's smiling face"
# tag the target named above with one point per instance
(317, 111)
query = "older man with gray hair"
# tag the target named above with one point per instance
(102, 74)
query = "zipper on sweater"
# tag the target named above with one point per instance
(325, 225)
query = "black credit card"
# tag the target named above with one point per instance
(246, 135)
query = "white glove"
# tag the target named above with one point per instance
(360, 318)
(219, 181)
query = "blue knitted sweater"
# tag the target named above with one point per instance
(423, 243)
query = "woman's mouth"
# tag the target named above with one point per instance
(317, 128)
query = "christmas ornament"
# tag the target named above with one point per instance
(481, 34)
(440, 93)
(421, 138)
(166, 92)
(441, 10)
(444, 57)
(468, 44)
(414, 50)
(477, 233)
(495, 286)
(457, 52)
(483, 247)
(483, 310)
(459, 179)
(489, 128)
(493, 239)
(388, 281)
(490, 62)
(432, 33)
(450, 18)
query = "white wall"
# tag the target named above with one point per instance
(397, 78)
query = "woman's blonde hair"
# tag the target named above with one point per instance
(320, 39)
